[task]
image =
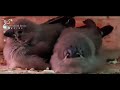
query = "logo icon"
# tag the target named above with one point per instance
(6, 24)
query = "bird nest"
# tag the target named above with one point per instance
(5, 70)
(113, 67)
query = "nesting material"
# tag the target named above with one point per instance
(110, 68)
(6, 70)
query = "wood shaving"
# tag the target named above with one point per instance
(110, 68)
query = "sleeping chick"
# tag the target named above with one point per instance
(78, 50)
(31, 45)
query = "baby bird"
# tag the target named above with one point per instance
(30, 46)
(78, 50)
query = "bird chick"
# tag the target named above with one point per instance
(78, 50)
(31, 45)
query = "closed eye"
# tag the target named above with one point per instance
(19, 32)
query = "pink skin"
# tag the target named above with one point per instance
(34, 42)
(15, 57)
(76, 65)
(79, 50)
(61, 64)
